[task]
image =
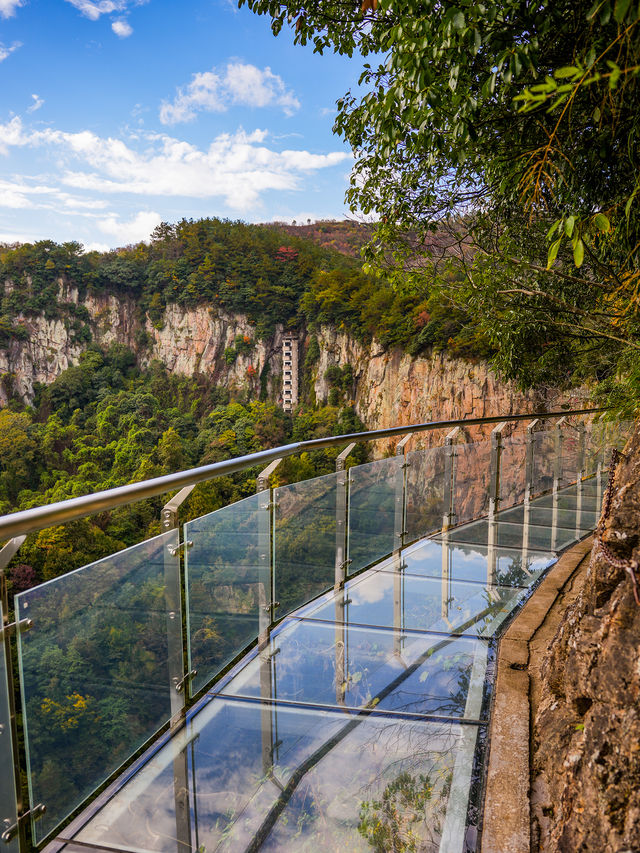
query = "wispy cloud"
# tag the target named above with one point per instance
(37, 103)
(216, 90)
(5, 52)
(93, 9)
(122, 29)
(8, 7)
(237, 167)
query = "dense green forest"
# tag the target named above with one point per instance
(263, 272)
(104, 423)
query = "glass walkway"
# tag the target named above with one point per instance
(362, 723)
(308, 669)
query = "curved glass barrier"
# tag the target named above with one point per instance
(374, 492)
(425, 497)
(305, 529)
(8, 800)
(227, 582)
(96, 682)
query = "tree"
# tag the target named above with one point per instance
(514, 125)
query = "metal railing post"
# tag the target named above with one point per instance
(266, 617)
(580, 473)
(266, 549)
(6, 826)
(180, 682)
(494, 499)
(342, 485)
(400, 517)
(449, 515)
(528, 484)
(558, 469)
(341, 567)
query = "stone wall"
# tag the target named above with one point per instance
(586, 730)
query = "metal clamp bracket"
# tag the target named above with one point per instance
(11, 830)
(180, 684)
(268, 607)
(22, 625)
(173, 549)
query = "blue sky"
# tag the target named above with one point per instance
(118, 114)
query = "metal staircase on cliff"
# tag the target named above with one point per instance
(308, 668)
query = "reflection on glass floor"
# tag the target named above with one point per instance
(359, 723)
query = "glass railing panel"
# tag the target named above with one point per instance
(422, 603)
(506, 567)
(305, 540)
(513, 470)
(595, 447)
(547, 516)
(425, 508)
(341, 665)
(8, 800)
(227, 583)
(298, 779)
(543, 463)
(94, 668)
(506, 535)
(569, 499)
(569, 469)
(472, 478)
(373, 492)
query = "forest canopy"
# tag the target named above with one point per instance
(514, 125)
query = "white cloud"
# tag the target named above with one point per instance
(8, 7)
(94, 8)
(122, 29)
(138, 228)
(37, 103)
(235, 167)
(239, 84)
(6, 52)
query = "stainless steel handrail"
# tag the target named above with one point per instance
(38, 518)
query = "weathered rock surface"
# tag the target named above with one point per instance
(389, 387)
(586, 732)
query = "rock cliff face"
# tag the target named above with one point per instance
(392, 387)
(586, 733)
(389, 387)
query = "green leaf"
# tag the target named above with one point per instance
(602, 223)
(620, 10)
(566, 71)
(553, 229)
(553, 252)
(569, 222)
(578, 253)
(458, 21)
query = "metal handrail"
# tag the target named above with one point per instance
(38, 518)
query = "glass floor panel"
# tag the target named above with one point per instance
(507, 535)
(544, 516)
(428, 604)
(345, 666)
(570, 501)
(268, 777)
(471, 563)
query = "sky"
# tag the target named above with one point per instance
(116, 115)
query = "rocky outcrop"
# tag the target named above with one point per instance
(389, 386)
(586, 730)
(186, 341)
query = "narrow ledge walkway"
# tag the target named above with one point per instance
(507, 813)
(363, 721)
